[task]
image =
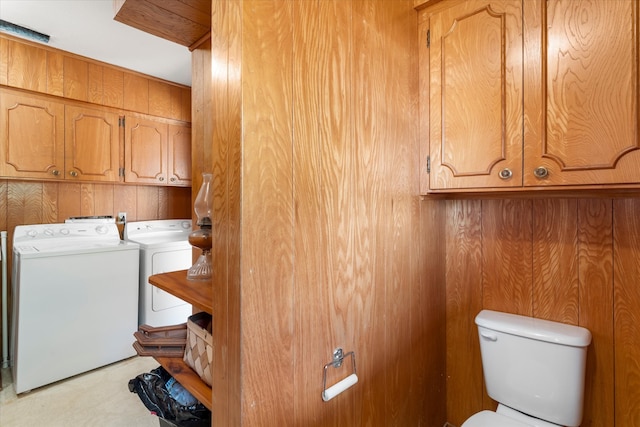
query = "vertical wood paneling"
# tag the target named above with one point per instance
(95, 86)
(310, 329)
(506, 254)
(3, 205)
(429, 366)
(147, 203)
(49, 202)
(463, 302)
(103, 202)
(222, 103)
(126, 197)
(69, 200)
(627, 311)
(376, 219)
(26, 66)
(136, 93)
(584, 266)
(76, 78)
(4, 57)
(555, 260)
(112, 87)
(160, 99)
(55, 73)
(267, 192)
(595, 271)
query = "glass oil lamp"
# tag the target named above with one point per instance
(202, 238)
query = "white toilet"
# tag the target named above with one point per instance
(533, 368)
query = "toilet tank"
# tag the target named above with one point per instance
(534, 366)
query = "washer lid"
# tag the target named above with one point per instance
(492, 419)
(158, 231)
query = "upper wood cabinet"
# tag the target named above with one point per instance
(581, 92)
(179, 154)
(157, 152)
(533, 93)
(31, 137)
(92, 144)
(475, 94)
(45, 139)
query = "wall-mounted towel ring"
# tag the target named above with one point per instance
(345, 383)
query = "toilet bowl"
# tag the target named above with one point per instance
(505, 417)
(533, 368)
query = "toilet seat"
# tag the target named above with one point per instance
(492, 419)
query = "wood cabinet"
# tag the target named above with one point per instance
(46, 139)
(92, 144)
(200, 295)
(581, 92)
(475, 94)
(32, 136)
(157, 152)
(533, 93)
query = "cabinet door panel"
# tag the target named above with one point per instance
(92, 147)
(476, 95)
(32, 138)
(180, 154)
(145, 150)
(587, 90)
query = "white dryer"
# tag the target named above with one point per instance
(75, 301)
(164, 247)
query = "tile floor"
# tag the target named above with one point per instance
(99, 398)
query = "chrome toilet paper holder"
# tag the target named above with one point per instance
(345, 383)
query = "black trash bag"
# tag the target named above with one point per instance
(152, 390)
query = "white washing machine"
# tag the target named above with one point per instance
(164, 247)
(75, 301)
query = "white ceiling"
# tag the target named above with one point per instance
(87, 28)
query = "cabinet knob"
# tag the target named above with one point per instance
(55, 172)
(161, 178)
(173, 179)
(505, 173)
(73, 173)
(541, 172)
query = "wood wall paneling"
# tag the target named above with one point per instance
(113, 87)
(4, 57)
(596, 307)
(136, 93)
(55, 73)
(34, 67)
(267, 192)
(464, 387)
(322, 169)
(76, 79)
(626, 297)
(583, 267)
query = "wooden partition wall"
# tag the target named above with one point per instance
(571, 260)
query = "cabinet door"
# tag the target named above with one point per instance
(145, 150)
(180, 154)
(475, 91)
(581, 105)
(32, 137)
(92, 144)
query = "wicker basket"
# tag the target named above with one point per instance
(198, 353)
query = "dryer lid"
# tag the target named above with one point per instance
(492, 419)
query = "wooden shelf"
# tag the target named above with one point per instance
(197, 292)
(200, 295)
(188, 378)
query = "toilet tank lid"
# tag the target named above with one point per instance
(537, 329)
